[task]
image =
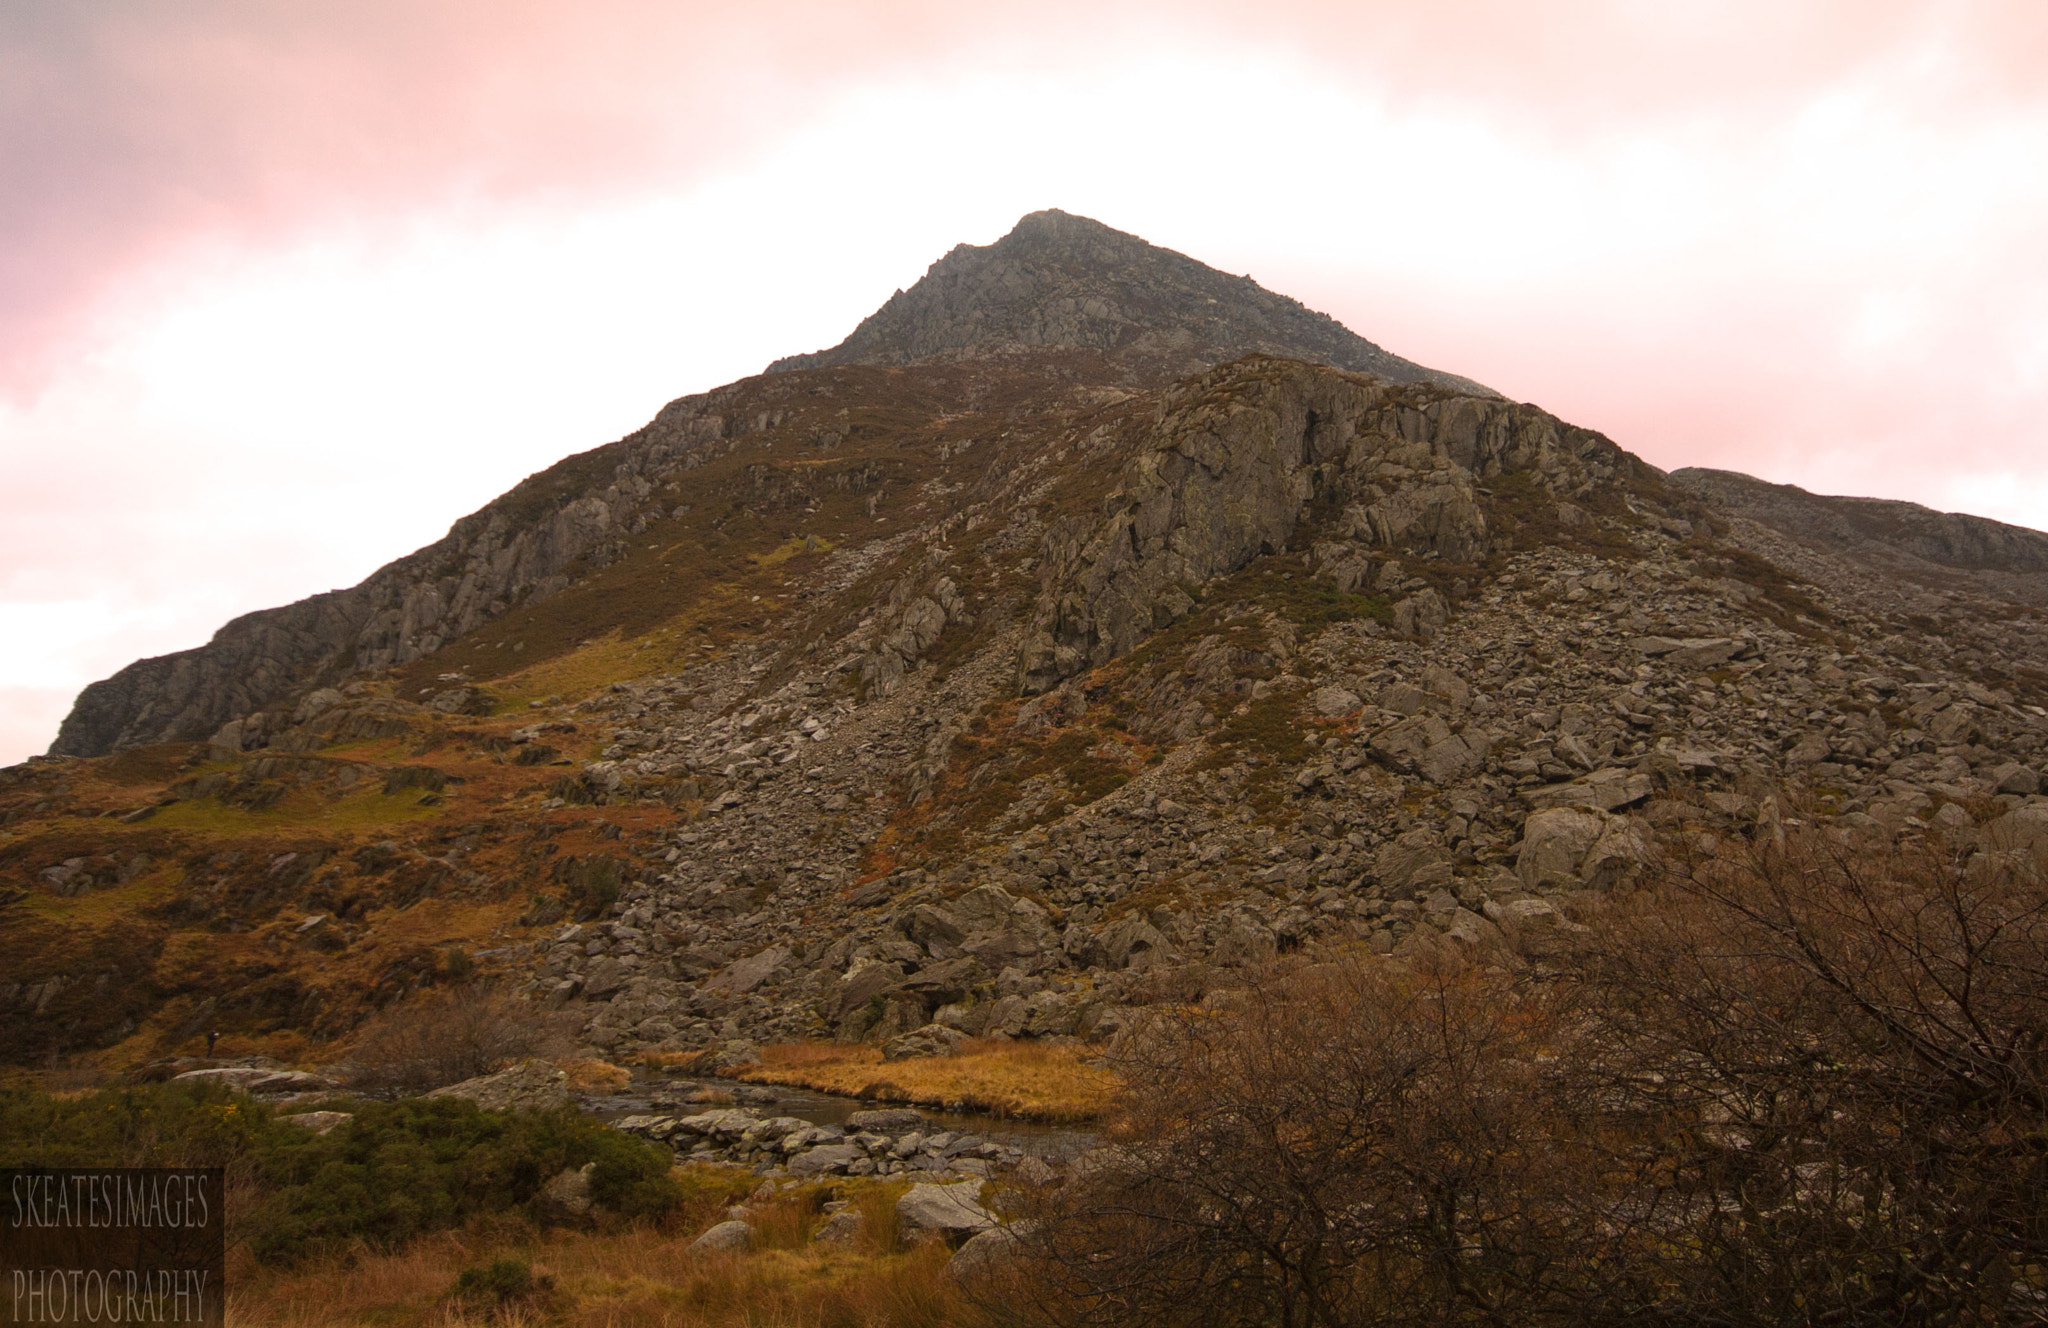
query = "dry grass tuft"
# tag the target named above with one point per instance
(1028, 1080)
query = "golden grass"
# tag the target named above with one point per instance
(593, 1076)
(1028, 1080)
(572, 675)
(635, 1277)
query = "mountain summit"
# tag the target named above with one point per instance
(1061, 280)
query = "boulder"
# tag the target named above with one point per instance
(1603, 790)
(1690, 652)
(2022, 830)
(259, 1082)
(1129, 942)
(1412, 861)
(1471, 930)
(2017, 779)
(753, 971)
(1402, 698)
(319, 1122)
(825, 1159)
(1332, 702)
(932, 1040)
(728, 1123)
(531, 1085)
(1001, 930)
(987, 1250)
(841, 1228)
(861, 984)
(1567, 847)
(1400, 747)
(1421, 615)
(569, 1189)
(1523, 913)
(888, 1120)
(945, 1210)
(725, 1238)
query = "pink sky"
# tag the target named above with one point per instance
(286, 288)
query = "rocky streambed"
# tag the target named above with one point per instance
(798, 1132)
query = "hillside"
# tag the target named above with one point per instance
(1013, 683)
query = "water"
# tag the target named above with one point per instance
(662, 1095)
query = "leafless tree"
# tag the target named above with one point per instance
(1830, 1056)
(447, 1035)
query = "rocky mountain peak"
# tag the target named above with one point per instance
(1061, 280)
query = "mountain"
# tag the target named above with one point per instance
(1055, 281)
(1013, 685)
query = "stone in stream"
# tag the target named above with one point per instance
(889, 1121)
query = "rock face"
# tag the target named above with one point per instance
(1062, 280)
(260, 1082)
(1243, 457)
(512, 552)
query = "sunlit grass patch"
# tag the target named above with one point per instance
(1030, 1080)
(364, 808)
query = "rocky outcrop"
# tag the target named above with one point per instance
(1239, 461)
(502, 556)
(1062, 280)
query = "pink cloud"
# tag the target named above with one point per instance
(130, 131)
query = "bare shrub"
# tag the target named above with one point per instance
(1801, 1082)
(1832, 1055)
(1347, 1143)
(447, 1035)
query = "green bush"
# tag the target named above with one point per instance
(501, 1281)
(395, 1171)
(403, 1168)
(160, 1125)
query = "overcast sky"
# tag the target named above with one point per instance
(287, 288)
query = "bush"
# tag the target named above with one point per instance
(403, 1168)
(158, 1125)
(392, 1172)
(500, 1282)
(445, 1036)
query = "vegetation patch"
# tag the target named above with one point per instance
(1024, 1079)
